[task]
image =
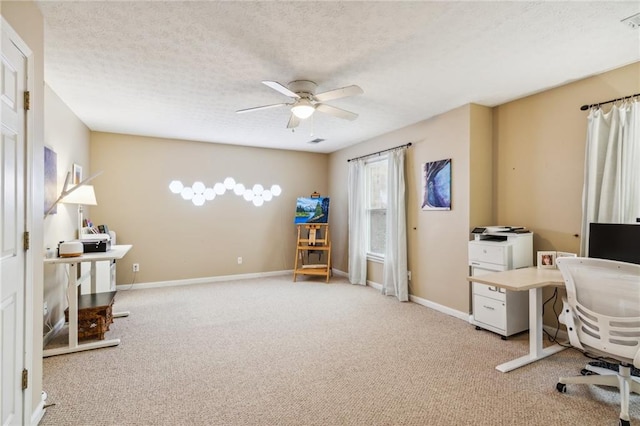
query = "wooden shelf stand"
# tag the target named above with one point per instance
(313, 238)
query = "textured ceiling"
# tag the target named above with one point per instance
(181, 69)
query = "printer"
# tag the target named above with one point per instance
(96, 243)
(498, 233)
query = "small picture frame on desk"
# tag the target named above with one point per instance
(547, 259)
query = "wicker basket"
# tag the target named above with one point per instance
(93, 322)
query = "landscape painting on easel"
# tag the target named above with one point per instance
(312, 210)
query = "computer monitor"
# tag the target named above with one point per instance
(615, 241)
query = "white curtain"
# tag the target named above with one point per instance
(395, 281)
(611, 190)
(357, 224)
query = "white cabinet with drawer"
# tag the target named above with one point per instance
(498, 310)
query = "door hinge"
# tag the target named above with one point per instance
(25, 379)
(26, 240)
(27, 101)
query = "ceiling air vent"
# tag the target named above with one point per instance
(633, 21)
(316, 140)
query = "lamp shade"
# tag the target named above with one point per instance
(82, 195)
(303, 109)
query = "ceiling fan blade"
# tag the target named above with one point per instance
(280, 88)
(242, 111)
(336, 112)
(293, 122)
(343, 92)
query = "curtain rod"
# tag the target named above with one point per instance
(407, 145)
(586, 107)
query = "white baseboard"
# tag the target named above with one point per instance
(203, 280)
(375, 285)
(429, 304)
(440, 308)
(38, 413)
(339, 273)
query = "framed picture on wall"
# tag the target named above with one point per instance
(436, 185)
(50, 180)
(77, 174)
(547, 259)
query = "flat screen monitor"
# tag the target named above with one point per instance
(615, 241)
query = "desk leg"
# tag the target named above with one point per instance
(72, 295)
(73, 346)
(94, 284)
(536, 334)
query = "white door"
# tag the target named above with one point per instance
(12, 228)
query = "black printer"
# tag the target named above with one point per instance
(96, 243)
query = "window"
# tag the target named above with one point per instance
(376, 206)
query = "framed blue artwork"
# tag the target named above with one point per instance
(312, 210)
(436, 185)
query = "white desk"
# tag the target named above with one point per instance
(532, 279)
(116, 252)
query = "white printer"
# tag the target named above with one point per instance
(493, 249)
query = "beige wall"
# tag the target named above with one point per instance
(68, 137)
(25, 18)
(520, 163)
(539, 146)
(173, 239)
(481, 167)
(437, 240)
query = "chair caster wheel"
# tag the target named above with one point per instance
(561, 387)
(503, 337)
(478, 327)
(624, 422)
(586, 372)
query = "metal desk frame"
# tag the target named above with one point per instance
(116, 252)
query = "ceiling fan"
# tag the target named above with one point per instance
(306, 101)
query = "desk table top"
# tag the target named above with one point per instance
(116, 252)
(521, 279)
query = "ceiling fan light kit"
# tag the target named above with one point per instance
(303, 109)
(306, 101)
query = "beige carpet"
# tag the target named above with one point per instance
(273, 352)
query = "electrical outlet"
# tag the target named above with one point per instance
(45, 309)
(239, 261)
(136, 267)
(409, 275)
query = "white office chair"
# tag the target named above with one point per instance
(602, 316)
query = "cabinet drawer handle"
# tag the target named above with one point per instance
(491, 308)
(493, 288)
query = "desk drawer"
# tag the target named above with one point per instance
(490, 291)
(489, 311)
